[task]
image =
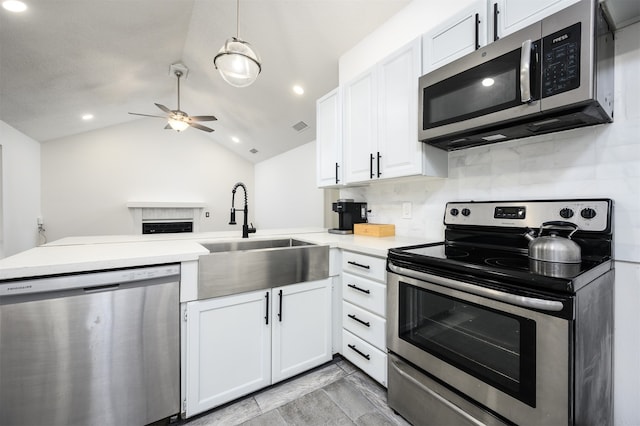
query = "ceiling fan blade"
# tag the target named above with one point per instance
(164, 108)
(147, 115)
(203, 118)
(200, 127)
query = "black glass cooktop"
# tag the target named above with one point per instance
(512, 266)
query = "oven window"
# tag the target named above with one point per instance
(493, 346)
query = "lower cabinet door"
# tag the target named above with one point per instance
(368, 358)
(228, 349)
(301, 333)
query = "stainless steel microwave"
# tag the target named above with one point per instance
(556, 74)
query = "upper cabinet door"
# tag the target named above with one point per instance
(462, 34)
(509, 16)
(360, 127)
(398, 146)
(329, 139)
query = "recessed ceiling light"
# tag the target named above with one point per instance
(14, 5)
(235, 139)
(87, 117)
(298, 90)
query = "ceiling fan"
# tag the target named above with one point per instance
(177, 119)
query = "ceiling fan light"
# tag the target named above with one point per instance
(177, 124)
(237, 62)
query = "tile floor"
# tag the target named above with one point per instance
(336, 393)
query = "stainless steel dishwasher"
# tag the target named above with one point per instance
(93, 348)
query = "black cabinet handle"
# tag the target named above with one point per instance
(477, 31)
(365, 356)
(266, 317)
(337, 180)
(350, 262)
(280, 309)
(379, 172)
(371, 166)
(496, 12)
(355, 318)
(358, 288)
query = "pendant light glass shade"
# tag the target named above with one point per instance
(237, 62)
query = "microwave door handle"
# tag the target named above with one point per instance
(525, 72)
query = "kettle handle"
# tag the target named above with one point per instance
(560, 224)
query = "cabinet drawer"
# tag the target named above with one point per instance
(366, 357)
(365, 293)
(365, 325)
(367, 266)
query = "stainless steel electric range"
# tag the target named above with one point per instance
(481, 332)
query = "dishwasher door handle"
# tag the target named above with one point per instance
(99, 288)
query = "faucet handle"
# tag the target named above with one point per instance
(251, 229)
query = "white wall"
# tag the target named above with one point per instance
(87, 179)
(286, 194)
(601, 161)
(20, 192)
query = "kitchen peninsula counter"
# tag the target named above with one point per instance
(92, 253)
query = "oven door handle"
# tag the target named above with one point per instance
(523, 301)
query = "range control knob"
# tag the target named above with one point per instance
(466, 212)
(566, 213)
(588, 213)
(454, 212)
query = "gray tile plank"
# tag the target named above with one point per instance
(315, 408)
(233, 414)
(270, 418)
(349, 398)
(286, 392)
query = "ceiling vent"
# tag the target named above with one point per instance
(253, 151)
(300, 126)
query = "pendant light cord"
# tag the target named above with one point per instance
(238, 19)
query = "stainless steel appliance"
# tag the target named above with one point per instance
(94, 348)
(349, 213)
(554, 75)
(478, 334)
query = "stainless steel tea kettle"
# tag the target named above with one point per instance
(552, 247)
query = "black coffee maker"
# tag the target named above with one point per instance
(349, 213)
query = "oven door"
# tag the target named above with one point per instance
(511, 359)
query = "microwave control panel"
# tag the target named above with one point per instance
(561, 61)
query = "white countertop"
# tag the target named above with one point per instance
(81, 254)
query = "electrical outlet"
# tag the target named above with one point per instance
(406, 210)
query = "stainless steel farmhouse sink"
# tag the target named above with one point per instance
(239, 266)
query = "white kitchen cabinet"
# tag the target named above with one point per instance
(380, 122)
(509, 16)
(359, 127)
(238, 344)
(301, 334)
(329, 139)
(454, 38)
(228, 349)
(364, 313)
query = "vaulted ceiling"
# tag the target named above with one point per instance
(64, 58)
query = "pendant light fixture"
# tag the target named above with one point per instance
(237, 62)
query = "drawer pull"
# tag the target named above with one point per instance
(355, 287)
(365, 356)
(359, 265)
(355, 318)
